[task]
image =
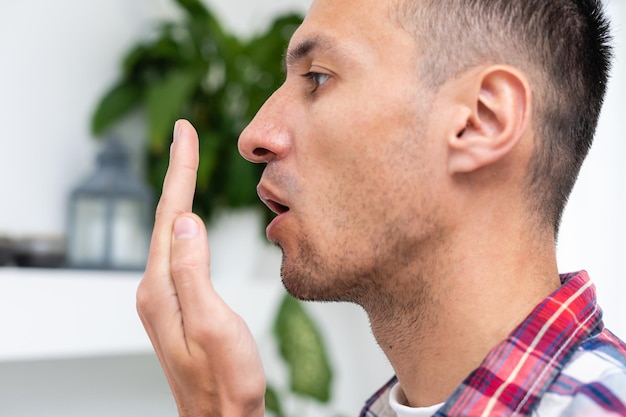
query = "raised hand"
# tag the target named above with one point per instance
(206, 350)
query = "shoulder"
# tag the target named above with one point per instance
(591, 383)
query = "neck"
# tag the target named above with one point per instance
(437, 325)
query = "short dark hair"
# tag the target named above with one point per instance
(564, 48)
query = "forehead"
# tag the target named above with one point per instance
(349, 24)
(353, 13)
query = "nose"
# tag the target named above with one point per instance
(266, 138)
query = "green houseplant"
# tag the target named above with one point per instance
(192, 68)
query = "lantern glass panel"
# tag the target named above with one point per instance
(89, 243)
(130, 243)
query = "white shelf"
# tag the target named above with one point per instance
(46, 313)
(73, 340)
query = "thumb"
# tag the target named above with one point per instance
(190, 266)
(186, 227)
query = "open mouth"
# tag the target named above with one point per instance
(270, 199)
(276, 207)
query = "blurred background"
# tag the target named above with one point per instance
(72, 344)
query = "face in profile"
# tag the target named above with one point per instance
(350, 169)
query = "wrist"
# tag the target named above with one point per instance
(223, 409)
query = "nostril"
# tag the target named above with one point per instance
(260, 152)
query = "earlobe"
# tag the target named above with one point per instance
(495, 119)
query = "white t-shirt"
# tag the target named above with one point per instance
(397, 399)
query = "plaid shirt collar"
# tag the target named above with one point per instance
(517, 372)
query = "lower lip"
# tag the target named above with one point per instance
(270, 229)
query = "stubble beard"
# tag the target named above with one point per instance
(396, 305)
(310, 276)
(391, 278)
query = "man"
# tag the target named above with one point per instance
(418, 156)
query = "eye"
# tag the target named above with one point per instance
(316, 80)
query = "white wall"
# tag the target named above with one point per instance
(58, 57)
(593, 235)
(112, 386)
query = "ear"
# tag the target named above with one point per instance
(496, 109)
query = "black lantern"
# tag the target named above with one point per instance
(109, 216)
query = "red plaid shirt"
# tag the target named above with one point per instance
(560, 361)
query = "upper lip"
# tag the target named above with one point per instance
(271, 200)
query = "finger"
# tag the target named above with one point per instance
(177, 195)
(190, 270)
(156, 296)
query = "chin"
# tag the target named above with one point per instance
(297, 282)
(309, 282)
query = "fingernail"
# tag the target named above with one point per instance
(178, 127)
(185, 228)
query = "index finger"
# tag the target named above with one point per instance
(177, 195)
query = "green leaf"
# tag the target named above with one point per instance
(263, 54)
(195, 8)
(272, 402)
(150, 58)
(165, 101)
(241, 177)
(209, 148)
(301, 346)
(192, 67)
(115, 104)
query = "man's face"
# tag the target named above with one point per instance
(351, 170)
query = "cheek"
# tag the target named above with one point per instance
(363, 166)
(334, 210)
(355, 206)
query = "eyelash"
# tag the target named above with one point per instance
(312, 76)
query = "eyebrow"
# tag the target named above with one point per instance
(303, 49)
